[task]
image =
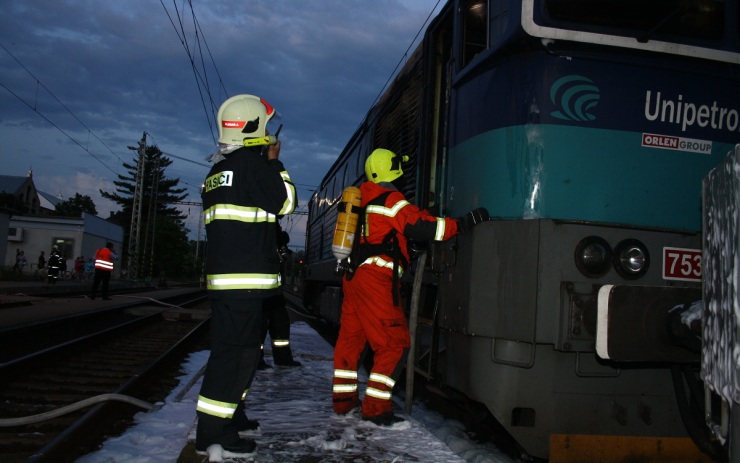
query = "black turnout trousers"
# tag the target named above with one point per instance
(235, 350)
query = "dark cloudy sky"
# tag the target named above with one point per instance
(80, 80)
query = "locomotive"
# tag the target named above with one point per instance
(585, 129)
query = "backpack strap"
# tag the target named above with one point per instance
(389, 246)
(359, 252)
(354, 254)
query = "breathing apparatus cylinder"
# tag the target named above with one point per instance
(346, 227)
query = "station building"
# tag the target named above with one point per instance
(26, 218)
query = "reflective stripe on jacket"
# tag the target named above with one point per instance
(243, 197)
(399, 215)
(244, 281)
(104, 259)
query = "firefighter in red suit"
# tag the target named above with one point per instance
(371, 309)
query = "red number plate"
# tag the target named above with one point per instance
(682, 264)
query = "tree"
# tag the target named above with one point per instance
(75, 206)
(163, 243)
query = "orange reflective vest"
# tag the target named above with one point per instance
(104, 259)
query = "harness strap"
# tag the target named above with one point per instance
(389, 246)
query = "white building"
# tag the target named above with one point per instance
(29, 227)
(73, 236)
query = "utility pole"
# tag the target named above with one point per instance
(133, 237)
(200, 222)
(151, 221)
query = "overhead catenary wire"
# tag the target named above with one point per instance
(38, 82)
(406, 54)
(35, 109)
(200, 80)
(203, 82)
(59, 129)
(184, 42)
(200, 47)
(196, 187)
(196, 25)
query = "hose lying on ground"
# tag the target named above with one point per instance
(6, 422)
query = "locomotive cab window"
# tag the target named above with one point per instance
(685, 21)
(475, 29)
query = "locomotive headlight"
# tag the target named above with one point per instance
(593, 256)
(631, 259)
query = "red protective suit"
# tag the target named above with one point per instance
(368, 310)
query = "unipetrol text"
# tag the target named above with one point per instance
(687, 114)
(220, 179)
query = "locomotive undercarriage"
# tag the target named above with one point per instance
(496, 336)
(563, 397)
(489, 331)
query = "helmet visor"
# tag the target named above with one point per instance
(274, 124)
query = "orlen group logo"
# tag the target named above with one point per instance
(575, 97)
(669, 142)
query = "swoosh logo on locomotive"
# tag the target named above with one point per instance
(574, 96)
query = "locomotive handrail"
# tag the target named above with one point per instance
(413, 314)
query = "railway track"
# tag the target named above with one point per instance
(134, 357)
(125, 354)
(73, 290)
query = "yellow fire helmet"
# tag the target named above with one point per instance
(384, 166)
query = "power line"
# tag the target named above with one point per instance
(390, 77)
(154, 143)
(186, 159)
(58, 101)
(176, 156)
(201, 81)
(183, 41)
(36, 110)
(313, 187)
(187, 203)
(59, 128)
(196, 24)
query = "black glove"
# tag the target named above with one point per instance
(472, 218)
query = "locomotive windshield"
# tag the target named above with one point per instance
(683, 21)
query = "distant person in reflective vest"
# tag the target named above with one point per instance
(104, 258)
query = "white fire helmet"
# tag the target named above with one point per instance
(241, 117)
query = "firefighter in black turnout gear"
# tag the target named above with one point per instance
(54, 263)
(275, 319)
(244, 192)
